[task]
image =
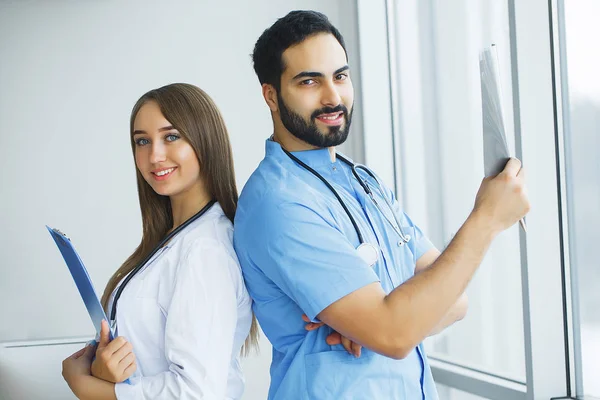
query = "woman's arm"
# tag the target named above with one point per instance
(91, 388)
(77, 372)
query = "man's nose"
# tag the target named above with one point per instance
(330, 96)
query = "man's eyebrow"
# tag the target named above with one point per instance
(312, 74)
(344, 68)
(308, 74)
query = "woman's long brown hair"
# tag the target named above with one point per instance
(193, 113)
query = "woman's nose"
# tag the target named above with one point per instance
(158, 153)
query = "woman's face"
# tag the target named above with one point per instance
(165, 159)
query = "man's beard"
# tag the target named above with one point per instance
(309, 132)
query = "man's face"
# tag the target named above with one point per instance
(316, 98)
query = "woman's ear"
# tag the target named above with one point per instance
(270, 95)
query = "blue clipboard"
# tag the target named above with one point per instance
(81, 278)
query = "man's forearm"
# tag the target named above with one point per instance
(455, 314)
(418, 305)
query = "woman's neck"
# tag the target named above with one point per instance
(187, 204)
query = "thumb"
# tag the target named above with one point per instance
(104, 337)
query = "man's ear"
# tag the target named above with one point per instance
(270, 95)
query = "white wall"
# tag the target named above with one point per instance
(70, 72)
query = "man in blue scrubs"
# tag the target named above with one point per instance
(298, 246)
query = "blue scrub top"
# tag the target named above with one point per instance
(297, 249)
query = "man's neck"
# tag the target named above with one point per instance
(292, 143)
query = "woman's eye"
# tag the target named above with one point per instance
(171, 137)
(141, 141)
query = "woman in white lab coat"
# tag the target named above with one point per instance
(184, 315)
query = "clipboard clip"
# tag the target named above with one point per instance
(61, 233)
(113, 326)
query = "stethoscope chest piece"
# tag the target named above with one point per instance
(405, 239)
(368, 253)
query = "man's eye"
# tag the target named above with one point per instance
(141, 141)
(341, 77)
(307, 82)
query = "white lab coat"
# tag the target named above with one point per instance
(187, 314)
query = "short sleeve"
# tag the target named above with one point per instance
(307, 257)
(421, 243)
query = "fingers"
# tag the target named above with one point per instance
(125, 368)
(512, 167)
(88, 352)
(115, 345)
(129, 370)
(333, 339)
(311, 326)
(78, 353)
(123, 352)
(356, 349)
(351, 347)
(347, 343)
(127, 361)
(111, 361)
(112, 354)
(104, 334)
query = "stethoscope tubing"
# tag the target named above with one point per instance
(398, 227)
(170, 236)
(332, 189)
(404, 238)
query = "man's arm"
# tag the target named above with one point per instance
(395, 324)
(459, 310)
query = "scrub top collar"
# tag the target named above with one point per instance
(317, 159)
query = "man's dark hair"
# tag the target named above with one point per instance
(286, 32)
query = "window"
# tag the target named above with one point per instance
(441, 159)
(517, 341)
(448, 393)
(582, 143)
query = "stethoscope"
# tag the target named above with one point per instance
(170, 236)
(367, 251)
